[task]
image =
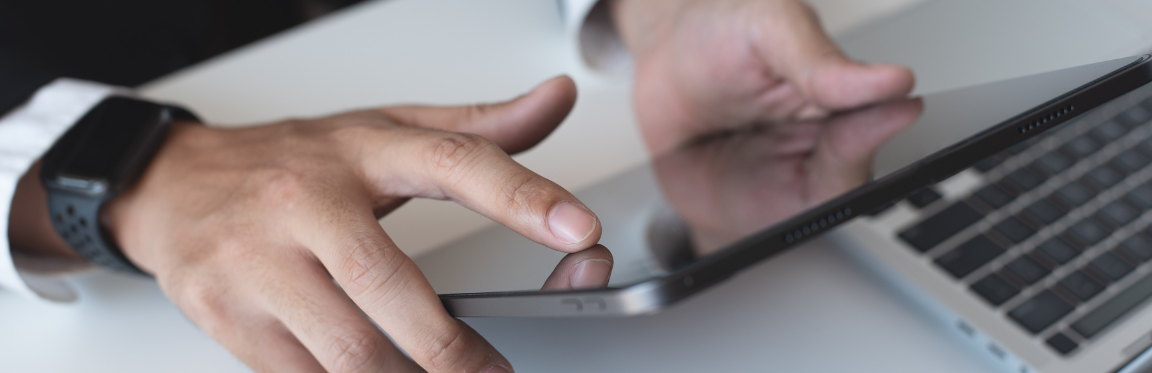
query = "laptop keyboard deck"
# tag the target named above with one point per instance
(1060, 236)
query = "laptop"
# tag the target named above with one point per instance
(1016, 209)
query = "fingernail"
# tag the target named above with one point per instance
(496, 369)
(571, 223)
(591, 273)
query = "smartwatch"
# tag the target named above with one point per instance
(101, 156)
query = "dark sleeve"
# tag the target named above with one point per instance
(18, 81)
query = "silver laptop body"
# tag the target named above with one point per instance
(1053, 274)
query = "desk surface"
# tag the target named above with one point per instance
(811, 310)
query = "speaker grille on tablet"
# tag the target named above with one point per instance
(1045, 119)
(817, 225)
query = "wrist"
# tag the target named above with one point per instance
(121, 217)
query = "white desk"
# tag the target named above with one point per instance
(811, 310)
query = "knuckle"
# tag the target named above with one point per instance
(203, 284)
(371, 266)
(523, 190)
(454, 151)
(355, 350)
(446, 351)
(203, 303)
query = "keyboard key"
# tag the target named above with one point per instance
(987, 164)
(1111, 266)
(1082, 286)
(1059, 250)
(923, 197)
(1102, 177)
(1081, 147)
(995, 289)
(1014, 229)
(1045, 211)
(1107, 132)
(1088, 232)
(1061, 343)
(1138, 246)
(934, 230)
(969, 256)
(1027, 269)
(1038, 313)
(994, 196)
(1112, 309)
(1118, 213)
(1130, 161)
(1053, 163)
(1024, 179)
(1074, 194)
(1134, 117)
(1142, 196)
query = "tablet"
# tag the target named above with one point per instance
(698, 215)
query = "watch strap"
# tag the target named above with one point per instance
(76, 218)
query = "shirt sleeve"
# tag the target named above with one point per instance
(590, 27)
(26, 133)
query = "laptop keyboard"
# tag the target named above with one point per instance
(1060, 236)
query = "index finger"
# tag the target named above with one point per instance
(477, 174)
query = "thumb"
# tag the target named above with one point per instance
(589, 268)
(514, 125)
(796, 47)
(848, 85)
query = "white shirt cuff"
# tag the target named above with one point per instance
(26, 133)
(590, 25)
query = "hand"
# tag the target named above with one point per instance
(267, 237)
(728, 187)
(706, 66)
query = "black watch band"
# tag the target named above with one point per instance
(76, 220)
(97, 159)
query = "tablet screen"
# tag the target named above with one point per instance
(696, 200)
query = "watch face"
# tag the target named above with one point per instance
(106, 143)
